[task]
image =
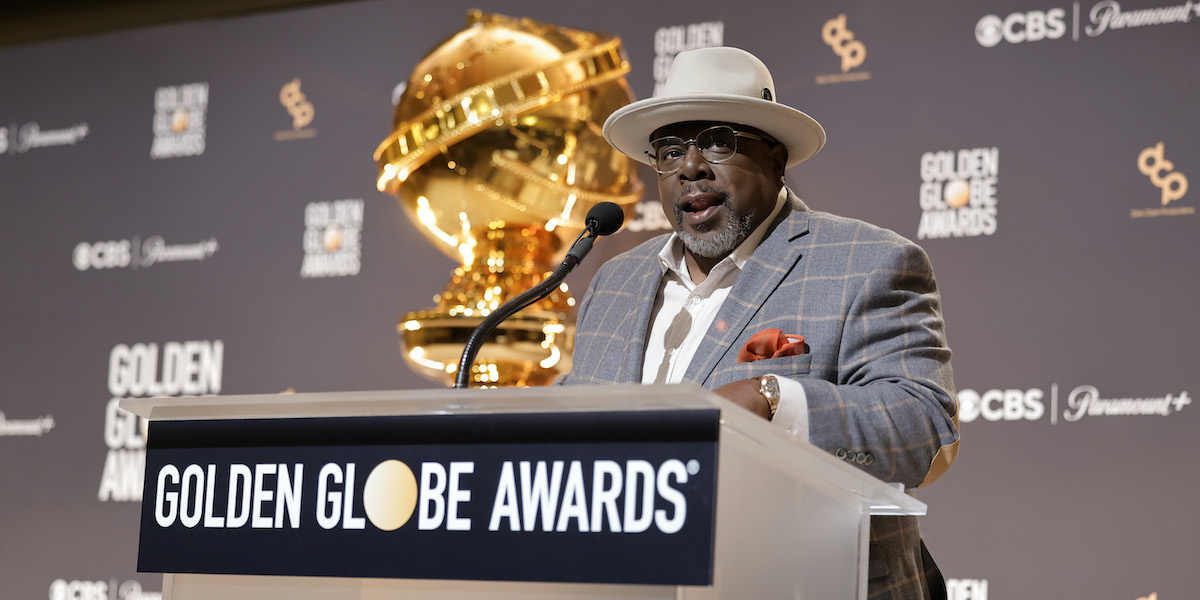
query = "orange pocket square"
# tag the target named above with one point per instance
(771, 343)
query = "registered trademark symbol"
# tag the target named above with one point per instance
(693, 466)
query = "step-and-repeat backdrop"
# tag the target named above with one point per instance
(168, 196)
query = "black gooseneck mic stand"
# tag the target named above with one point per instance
(602, 219)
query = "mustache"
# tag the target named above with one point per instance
(700, 187)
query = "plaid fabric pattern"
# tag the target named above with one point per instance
(877, 372)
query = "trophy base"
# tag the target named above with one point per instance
(528, 349)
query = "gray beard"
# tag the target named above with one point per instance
(736, 230)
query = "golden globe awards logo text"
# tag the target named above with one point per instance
(544, 496)
(179, 120)
(669, 41)
(967, 589)
(958, 193)
(190, 368)
(332, 239)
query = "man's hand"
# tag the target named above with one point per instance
(744, 393)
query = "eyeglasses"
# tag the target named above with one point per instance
(717, 144)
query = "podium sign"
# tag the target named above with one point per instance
(592, 497)
(621, 492)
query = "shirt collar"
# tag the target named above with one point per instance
(670, 258)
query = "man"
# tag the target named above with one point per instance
(828, 326)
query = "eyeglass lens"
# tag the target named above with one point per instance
(716, 144)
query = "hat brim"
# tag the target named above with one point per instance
(628, 129)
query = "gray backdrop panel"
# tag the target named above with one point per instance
(1069, 291)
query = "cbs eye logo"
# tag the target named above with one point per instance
(1032, 26)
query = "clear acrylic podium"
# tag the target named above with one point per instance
(792, 521)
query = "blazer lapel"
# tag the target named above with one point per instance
(771, 262)
(642, 288)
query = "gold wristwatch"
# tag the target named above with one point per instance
(768, 386)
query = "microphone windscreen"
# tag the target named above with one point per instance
(604, 218)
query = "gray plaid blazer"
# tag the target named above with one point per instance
(876, 372)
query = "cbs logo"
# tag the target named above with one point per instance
(1001, 405)
(62, 589)
(1031, 26)
(103, 255)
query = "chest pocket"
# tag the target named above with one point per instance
(796, 366)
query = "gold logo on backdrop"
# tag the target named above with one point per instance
(299, 108)
(296, 104)
(1153, 596)
(1152, 162)
(852, 52)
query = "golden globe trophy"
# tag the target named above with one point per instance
(496, 153)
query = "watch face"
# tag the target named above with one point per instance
(769, 386)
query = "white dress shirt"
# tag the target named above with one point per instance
(683, 312)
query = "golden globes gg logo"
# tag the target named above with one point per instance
(179, 120)
(332, 238)
(300, 109)
(1153, 163)
(851, 51)
(958, 193)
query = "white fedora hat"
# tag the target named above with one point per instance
(722, 84)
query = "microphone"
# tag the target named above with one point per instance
(603, 219)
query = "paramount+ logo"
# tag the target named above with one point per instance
(531, 496)
(1083, 401)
